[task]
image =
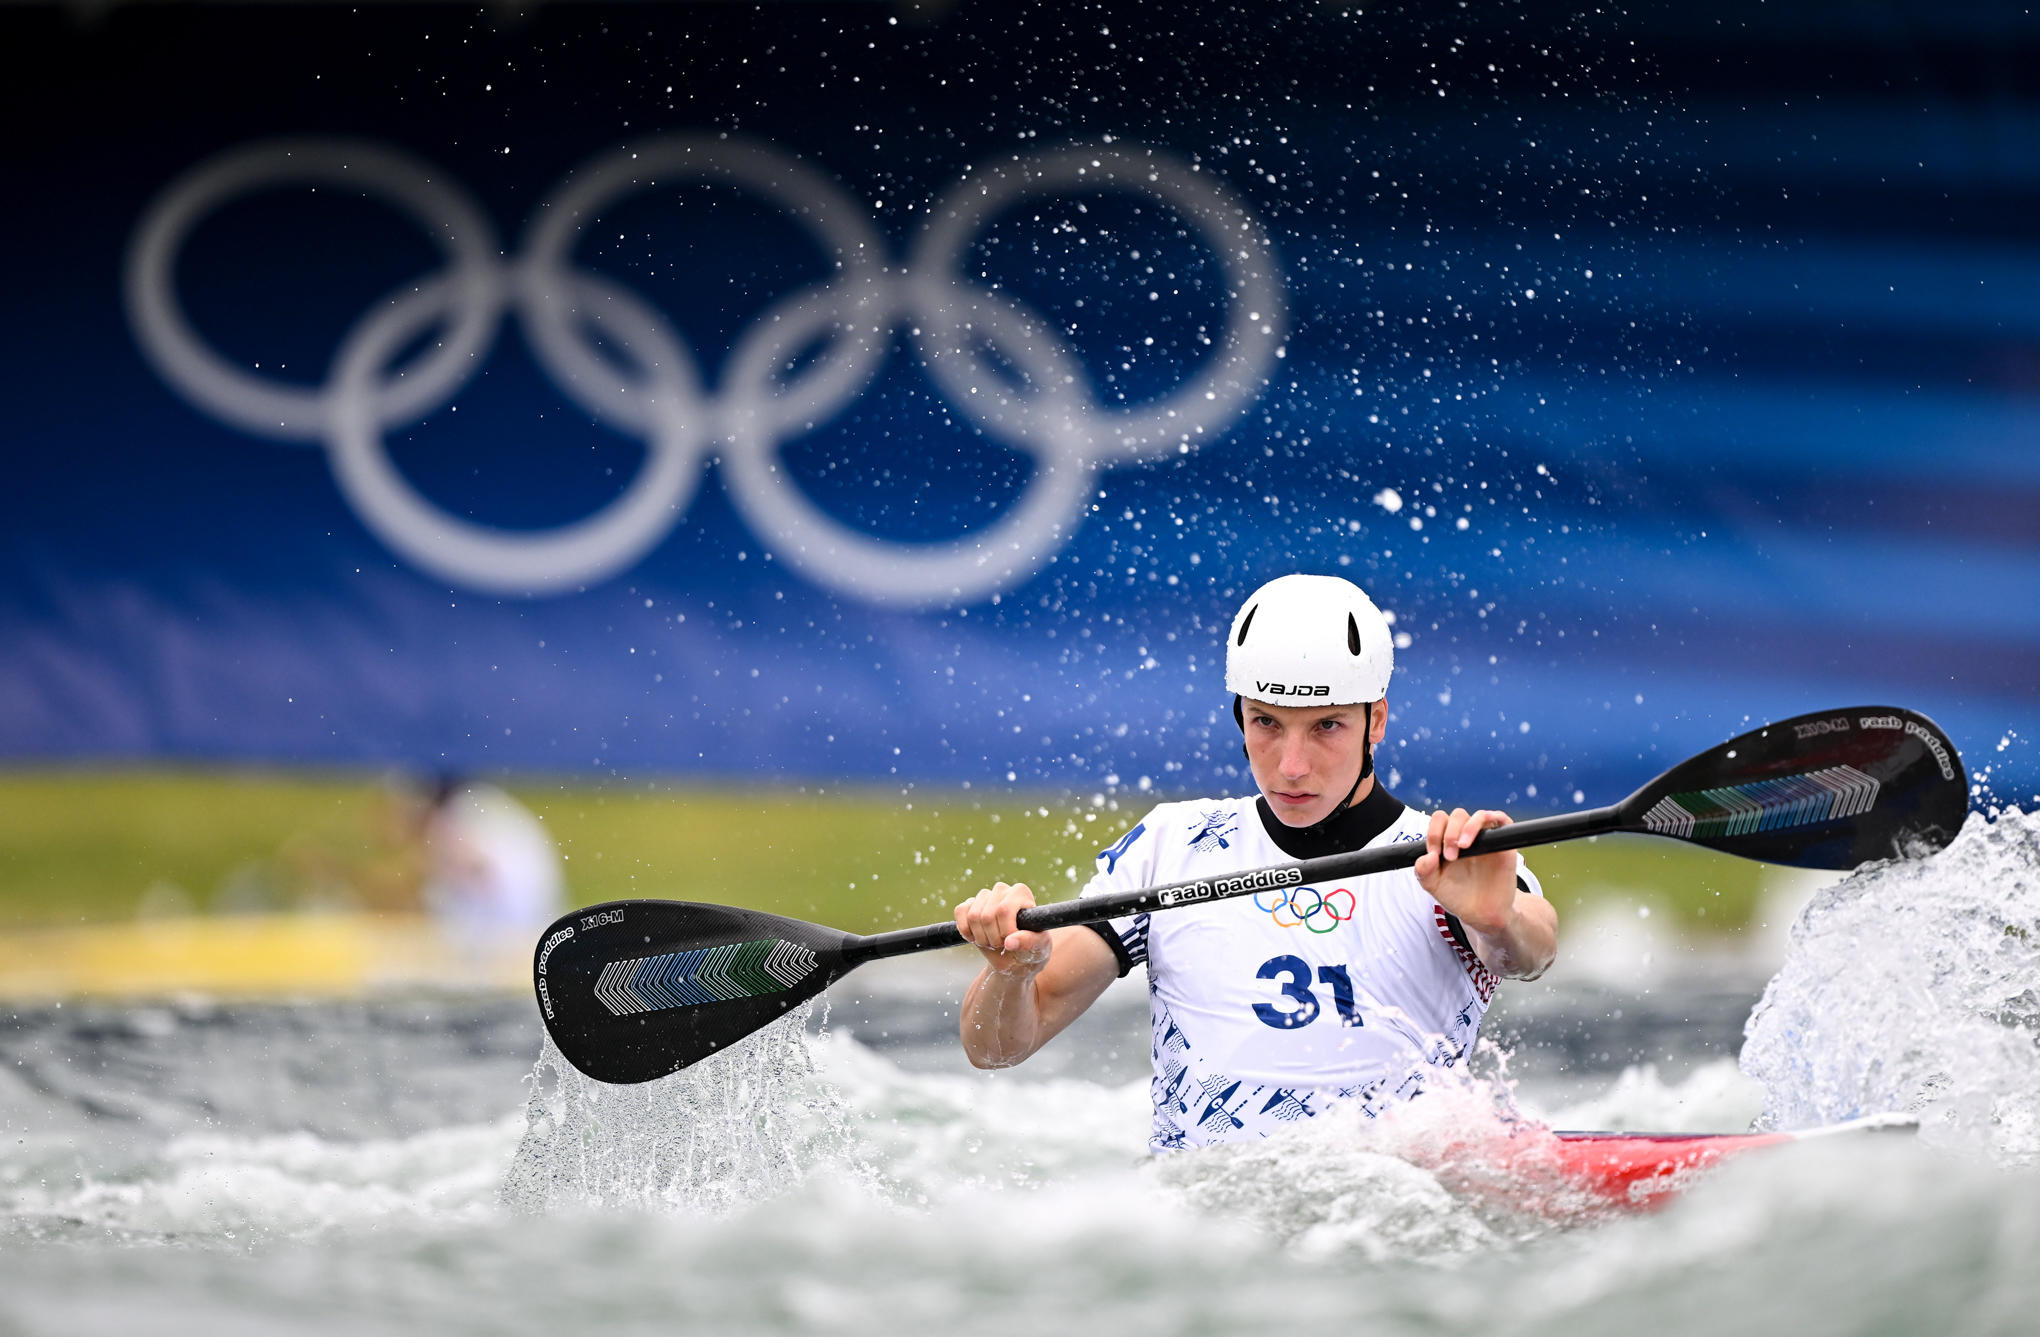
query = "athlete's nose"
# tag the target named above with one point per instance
(1294, 764)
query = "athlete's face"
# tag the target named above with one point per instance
(1305, 758)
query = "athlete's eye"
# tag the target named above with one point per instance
(1329, 725)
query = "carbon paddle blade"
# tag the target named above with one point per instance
(634, 990)
(1830, 790)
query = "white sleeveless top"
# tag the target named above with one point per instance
(1266, 1009)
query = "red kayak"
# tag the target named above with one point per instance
(1637, 1169)
(1645, 1169)
(1583, 1175)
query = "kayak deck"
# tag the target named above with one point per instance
(1635, 1168)
(1645, 1169)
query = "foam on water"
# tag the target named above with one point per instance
(1461, 1171)
(1333, 1185)
(1870, 1237)
(1867, 1235)
(224, 1187)
(1914, 986)
(934, 1132)
(1002, 1205)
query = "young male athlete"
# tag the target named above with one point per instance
(1272, 1008)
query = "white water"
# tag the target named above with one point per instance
(745, 1128)
(960, 1204)
(1915, 986)
(818, 1185)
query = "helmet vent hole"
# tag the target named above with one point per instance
(1246, 622)
(1352, 634)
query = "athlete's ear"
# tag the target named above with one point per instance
(1377, 721)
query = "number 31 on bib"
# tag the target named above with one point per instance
(1295, 974)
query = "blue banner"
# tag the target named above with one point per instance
(811, 393)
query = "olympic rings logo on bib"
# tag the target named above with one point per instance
(655, 389)
(1321, 914)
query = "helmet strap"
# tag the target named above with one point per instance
(1366, 765)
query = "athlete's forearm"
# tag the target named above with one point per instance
(1524, 945)
(1001, 1022)
(1008, 1015)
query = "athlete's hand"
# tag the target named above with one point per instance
(988, 921)
(1479, 889)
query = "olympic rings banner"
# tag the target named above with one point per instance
(825, 392)
(662, 400)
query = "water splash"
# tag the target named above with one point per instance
(1914, 986)
(1324, 1188)
(745, 1126)
(1456, 1172)
(1715, 1097)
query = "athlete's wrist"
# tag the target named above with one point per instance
(1017, 966)
(1497, 926)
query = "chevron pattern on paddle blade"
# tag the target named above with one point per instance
(703, 975)
(1764, 805)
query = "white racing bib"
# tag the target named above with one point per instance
(1270, 1008)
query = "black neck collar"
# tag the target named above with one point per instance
(1348, 829)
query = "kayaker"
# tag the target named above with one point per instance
(1270, 1009)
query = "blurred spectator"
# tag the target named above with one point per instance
(492, 868)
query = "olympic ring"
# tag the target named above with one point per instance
(657, 392)
(1322, 911)
(267, 408)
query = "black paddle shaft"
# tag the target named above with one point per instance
(1330, 868)
(1828, 790)
(634, 990)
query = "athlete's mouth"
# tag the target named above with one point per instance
(1284, 796)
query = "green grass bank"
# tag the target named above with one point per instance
(84, 845)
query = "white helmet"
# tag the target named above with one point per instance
(1309, 641)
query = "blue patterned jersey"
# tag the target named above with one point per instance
(1270, 1008)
